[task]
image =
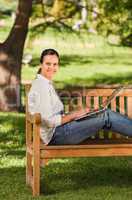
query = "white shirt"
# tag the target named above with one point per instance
(43, 99)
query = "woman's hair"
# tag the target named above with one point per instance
(45, 53)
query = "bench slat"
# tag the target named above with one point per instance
(129, 106)
(88, 101)
(122, 105)
(88, 151)
(107, 92)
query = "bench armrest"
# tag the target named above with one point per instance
(34, 118)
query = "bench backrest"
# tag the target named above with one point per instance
(77, 98)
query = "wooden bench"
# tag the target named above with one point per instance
(102, 144)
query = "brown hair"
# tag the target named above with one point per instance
(39, 71)
(45, 53)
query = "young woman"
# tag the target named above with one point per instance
(58, 127)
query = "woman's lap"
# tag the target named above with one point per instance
(77, 131)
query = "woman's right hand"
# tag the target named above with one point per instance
(80, 112)
(74, 115)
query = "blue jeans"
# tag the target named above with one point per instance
(77, 131)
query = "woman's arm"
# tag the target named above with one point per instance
(71, 116)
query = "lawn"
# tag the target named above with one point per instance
(72, 179)
(85, 61)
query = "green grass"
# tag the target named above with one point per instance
(85, 61)
(72, 179)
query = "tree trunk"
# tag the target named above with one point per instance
(11, 52)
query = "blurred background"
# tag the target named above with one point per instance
(94, 40)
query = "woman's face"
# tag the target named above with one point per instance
(50, 66)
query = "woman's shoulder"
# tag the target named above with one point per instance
(39, 84)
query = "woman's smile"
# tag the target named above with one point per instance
(50, 66)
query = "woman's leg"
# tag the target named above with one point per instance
(119, 123)
(77, 131)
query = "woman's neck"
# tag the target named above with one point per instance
(47, 77)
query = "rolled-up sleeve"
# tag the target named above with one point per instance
(53, 121)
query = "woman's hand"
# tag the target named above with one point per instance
(81, 112)
(75, 114)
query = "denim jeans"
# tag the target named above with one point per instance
(75, 132)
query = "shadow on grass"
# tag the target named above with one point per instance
(10, 152)
(12, 128)
(86, 174)
(72, 176)
(96, 59)
(66, 60)
(97, 80)
(12, 183)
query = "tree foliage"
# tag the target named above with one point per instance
(107, 17)
(115, 17)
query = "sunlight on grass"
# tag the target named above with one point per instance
(74, 179)
(11, 130)
(85, 61)
(11, 161)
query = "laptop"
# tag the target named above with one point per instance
(103, 106)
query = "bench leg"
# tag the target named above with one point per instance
(36, 160)
(28, 168)
(36, 177)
